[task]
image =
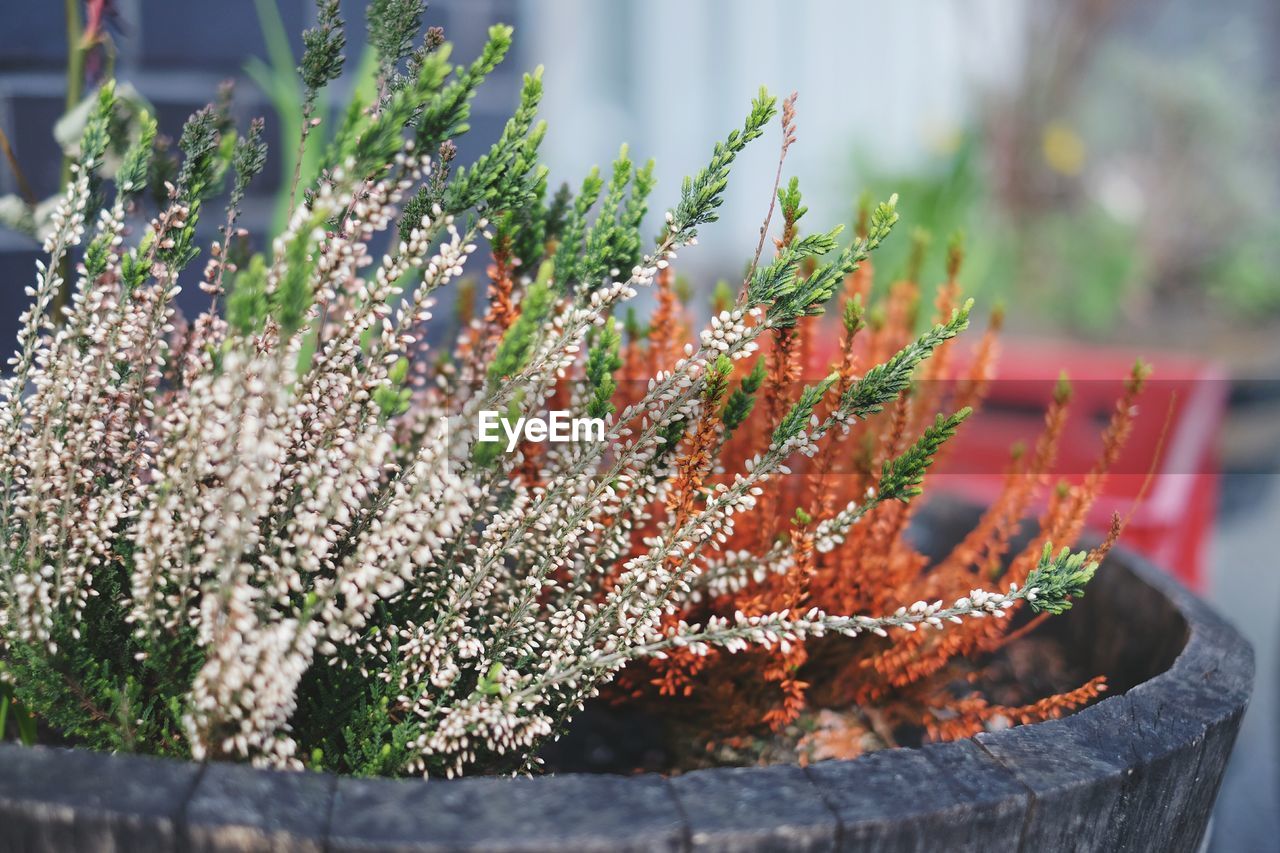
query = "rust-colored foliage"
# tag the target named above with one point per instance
(885, 685)
(501, 274)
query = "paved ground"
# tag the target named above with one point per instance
(1245, 584)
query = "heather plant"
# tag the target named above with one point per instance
(271, 533)
(831, 536)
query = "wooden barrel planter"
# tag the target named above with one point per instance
(1137, 771)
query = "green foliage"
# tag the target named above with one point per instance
(201, 145)
(524, 229)
(291, 299)
(96, 256)
(247, 304)
(248, 160)
(373, 138)
(24, 723)
(780, 278)
(97, 130)
(373, 133)
(508, 175)
(702, 194)
(557, 209)
(743, 399)
(853, 319)
(789, 202)
(207, 155)
(573, 227)
(671, 434)
(884, 382)
(795, 421)
(295, 107)
(627, 242)
(392, 399)
(92, 692)
(901, 478)
(516, 346)
(393, 26)
(790, 296)
(602, 362)
(131, 178)
(322, 47)
(613, 242)
(808, 295)
(717, 378)
(348, 721)
(446, 114)
(1057, 580)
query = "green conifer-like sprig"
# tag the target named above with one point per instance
(567, 259)
(131, 177)
(743, 398)
(322, 57)
(97, 130)
(777, 279)
(447, 113)
(1057, 580)
(902, 478)
(789, 201)
(603, 361)
(885, 381)
(595, 263)
(248, 160)
(789, 296)
(702, 194)
(393, 26)
(291, 299)
(853, 318)
(199, 144)
(716, 382)
(207, 155)
(247, 304)
(797, 419)
(506, 176)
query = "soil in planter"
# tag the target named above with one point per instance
(612, 739)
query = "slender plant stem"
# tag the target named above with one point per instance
(75, 69)
(301, 153)
(75, 88)
(23, 187)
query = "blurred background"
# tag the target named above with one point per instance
(1113, 165)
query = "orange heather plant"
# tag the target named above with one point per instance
(844, 549)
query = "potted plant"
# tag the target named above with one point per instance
(286, 534)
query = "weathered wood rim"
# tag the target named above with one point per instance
(1137, 771)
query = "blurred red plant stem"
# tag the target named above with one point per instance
(25, 188)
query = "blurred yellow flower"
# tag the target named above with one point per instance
(1063, 148)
